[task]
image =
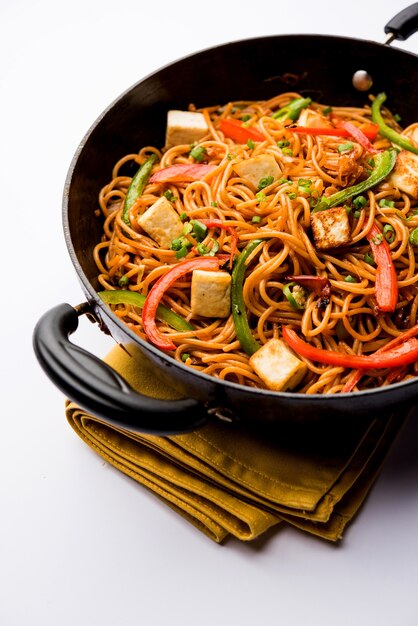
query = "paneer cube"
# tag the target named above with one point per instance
(277, 366)
(312, 119)
(185, 127)
(256, 168)
(405, 173)
(161, 222)
(330, 228)
(211, 293)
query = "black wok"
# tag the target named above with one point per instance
(315, 65)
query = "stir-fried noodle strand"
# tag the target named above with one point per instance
(278, 211)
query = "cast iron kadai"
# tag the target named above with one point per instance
(320, 66)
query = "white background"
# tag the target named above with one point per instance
(81, 544)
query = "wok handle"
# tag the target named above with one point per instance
(404, 24)
(99, 389)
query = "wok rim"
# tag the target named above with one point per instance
(95, 300)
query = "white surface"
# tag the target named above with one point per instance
(79, 542)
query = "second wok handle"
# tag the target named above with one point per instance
(101, 391)
(403, 24)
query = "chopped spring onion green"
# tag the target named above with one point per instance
(170, 196)
(389, 232)
(181, 245)
(198, 153)
(413, 237)
(386, 203)
(304, 182)
(123, 281)
(187, 228)
(214, 249)
(265, 182)
(346, 147)
(183, 250)
(256, 219)
(305, 186)
(199, 229)
(359, 202)
(176, 244)
(378, 239)
(260, 196)
(203, 250)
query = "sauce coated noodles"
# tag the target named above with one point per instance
(273, 244)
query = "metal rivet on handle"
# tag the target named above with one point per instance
(223, 414)
(362, 80)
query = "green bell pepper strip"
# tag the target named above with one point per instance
(292, 110)
(164, 314)
(385, 130)
(384, 164)
(239, 314)
(137, 186)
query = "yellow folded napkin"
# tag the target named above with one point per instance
(237, 480)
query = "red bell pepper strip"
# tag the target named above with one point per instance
(403, 354)
(357, 134)
(149, 310)
(386, 285)
(357, 374)
(369, 130)
(397, 373)
(234, 129)
(182, 172)
(216, 223)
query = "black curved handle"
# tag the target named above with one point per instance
(99, 389)
(404, 24)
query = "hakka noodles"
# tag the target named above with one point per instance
(272, 244)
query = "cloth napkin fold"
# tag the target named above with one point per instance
(237, 480)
